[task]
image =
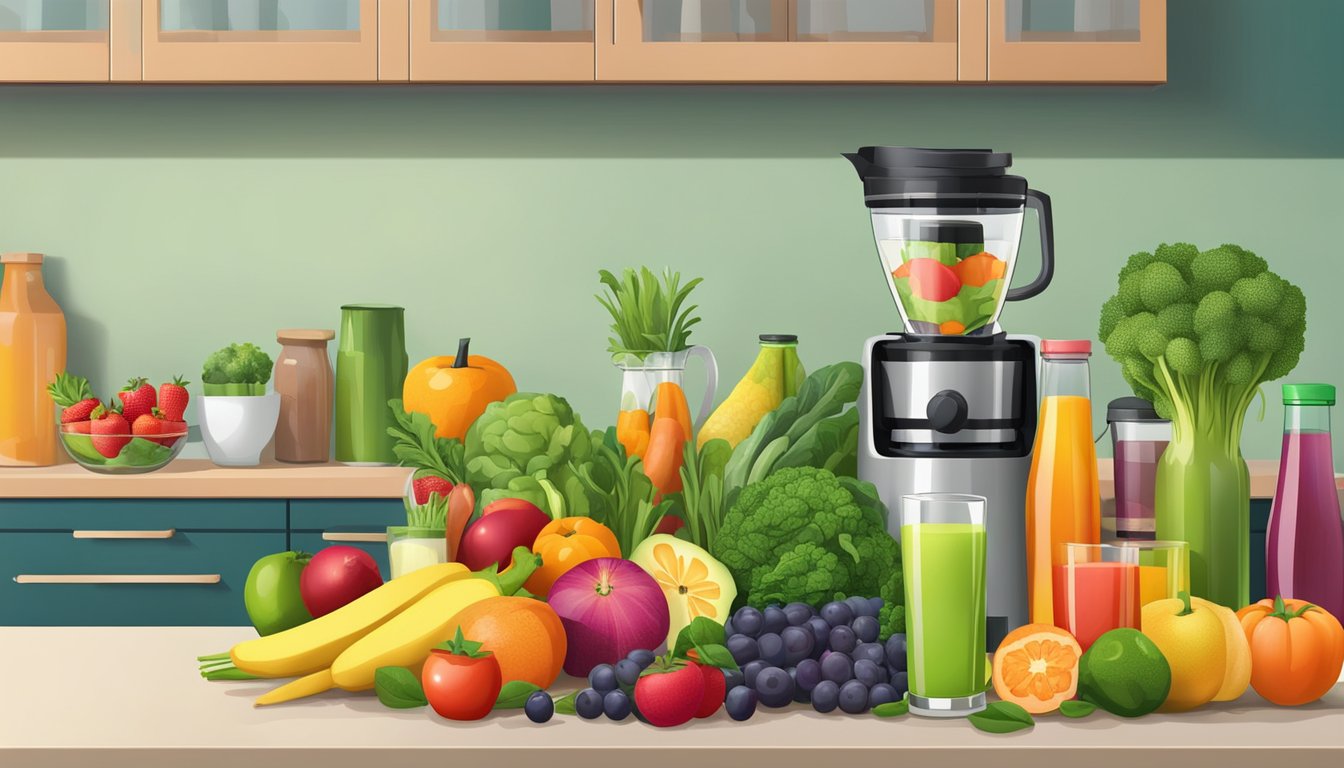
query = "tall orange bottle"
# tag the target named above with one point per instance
(32, 352)
(1063, 501)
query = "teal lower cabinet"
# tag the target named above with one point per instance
(1259, 526)
(315, 524)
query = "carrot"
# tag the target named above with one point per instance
(951, 328)
(461, 505)
(979, 269)
(632, 431)
(672, 404)
(901, 271)
(662, 461)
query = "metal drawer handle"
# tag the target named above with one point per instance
(380, 538)
(100, 578)
(167, 534)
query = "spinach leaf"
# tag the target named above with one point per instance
(398, 688)
(1002, 717)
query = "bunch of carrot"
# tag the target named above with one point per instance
(661, 442)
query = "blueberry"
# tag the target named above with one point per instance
(774, 687)
(641, 657)
(900, 681)
(750, 671)
(798, 613)
(771, 648)
(869, 673)
(871, 651)
(748, 621)
(740, 703)
(837, 668)
(875, 605)
(733, 678)
(799, 695)
(798, 643)
(860, 606)
(896, 652)
(616, 704)
(774, 620)
(882, 693)
(821, 633)
(867, 628)
(853, 697)
(808, 674)
(837, 613)
(588, 704)
(627, 672)
(826, 696)
(539, 707)
(843, 639)
(728, 629)
(602, 678)
(743, 649)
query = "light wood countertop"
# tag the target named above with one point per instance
(130, 696)
(200, 478)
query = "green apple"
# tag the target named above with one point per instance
(272, 595)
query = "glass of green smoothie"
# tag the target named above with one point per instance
(943, 556)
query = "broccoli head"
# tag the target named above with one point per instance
(802, 534)
(238, 369)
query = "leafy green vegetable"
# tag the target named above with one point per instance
(418, 445)
(973, 306)
(140, 453)
(892, 709)
(1076, 708)
(804, 535)
(565, 704)
(398, 688)
(625, 495)
(534, 447)
(702, 502)
(647, 314)
(514, 694)
(1002, 717)
(82, 446)
(706, 637)
(238, 369)
(432, 515)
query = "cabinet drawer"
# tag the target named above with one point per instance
(142, 514)
(182, 579)
(346, 514)
(312, 541)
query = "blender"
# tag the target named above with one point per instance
(949, 402)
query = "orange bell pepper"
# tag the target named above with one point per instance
(632, 431)
(565, 543)
(1296, 650)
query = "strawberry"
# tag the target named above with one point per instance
(173, 398)
(670, 692)
(137, 399)
(73, 394)
(110, 431)
(147, 424)
(424, 486)
(79, 427)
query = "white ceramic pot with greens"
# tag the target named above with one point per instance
(238, 412)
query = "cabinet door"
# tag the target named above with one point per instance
(43, 41)
(502, 40)
(260, 40)
(777, 40)
(1090, 41)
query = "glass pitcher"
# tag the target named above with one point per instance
(639, 381)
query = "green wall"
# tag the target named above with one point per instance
(180, 219)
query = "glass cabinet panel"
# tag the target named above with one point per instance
(708, 21)
(514, 20)
(259, 16)
(833, 21)
(1077, 41)
(54, 40)
(1073, 21)
(53, 16)
(502, 41)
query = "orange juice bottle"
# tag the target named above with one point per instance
(1063, 501)
(32, 352)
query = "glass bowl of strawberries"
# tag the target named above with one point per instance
(143, 432)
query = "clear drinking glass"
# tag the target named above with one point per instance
(1164, 568)
(410, 548)
(1096, 590)
(943, 556)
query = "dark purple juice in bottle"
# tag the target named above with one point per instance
(1139, 436)
(1304, 556)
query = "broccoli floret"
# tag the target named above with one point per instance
(1183, 356)
(1135, 264)
(1177, 320)
(1178, 255)
(237, 364)
(1112, 312)
(1239, 369)
(1161, 284)
(1259, 295)
(1215, 270)
(1215, 310)
(803, 535)
(1262, 336)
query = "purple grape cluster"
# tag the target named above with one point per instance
(830, 658)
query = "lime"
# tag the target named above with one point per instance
(1124, 673)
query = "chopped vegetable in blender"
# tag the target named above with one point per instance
(959, 297)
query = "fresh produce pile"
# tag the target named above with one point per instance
(953, 286)
(139, 431)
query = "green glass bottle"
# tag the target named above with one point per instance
(370, 370)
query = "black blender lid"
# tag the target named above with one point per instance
(1131, 409)
(911, 161)
(901, 177)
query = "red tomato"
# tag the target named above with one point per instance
(932, 280)
(461, 687)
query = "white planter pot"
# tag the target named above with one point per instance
(236, 429)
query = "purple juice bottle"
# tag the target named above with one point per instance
(1304, 554)
(1138, 438)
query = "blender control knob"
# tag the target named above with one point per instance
(947, 411)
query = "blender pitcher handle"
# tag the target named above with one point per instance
(1039, 202)
(711, 382)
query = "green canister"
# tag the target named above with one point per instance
(370, 369)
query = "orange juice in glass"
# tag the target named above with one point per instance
(32, 352)
(1063, 500)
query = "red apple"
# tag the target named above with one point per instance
(336, 576)
(499, 505)
(492, 538)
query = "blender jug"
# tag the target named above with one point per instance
(947, 224)
(1138, 438)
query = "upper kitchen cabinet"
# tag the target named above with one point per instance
(502, 40)
(912, 41)
(55, 40)
(1075, 41)
(261, 40)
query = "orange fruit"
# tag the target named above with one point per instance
(525, 636)
(1036, 667)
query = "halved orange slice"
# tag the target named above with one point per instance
(1036, 667)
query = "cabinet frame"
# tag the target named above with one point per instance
(1141, 62)
(261, 57)
(73, 56)
(437, 58)
(623, 56)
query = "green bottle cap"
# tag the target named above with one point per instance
(1308, 394)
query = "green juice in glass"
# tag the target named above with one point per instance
(945, 608)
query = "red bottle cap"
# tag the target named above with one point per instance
(1069, 347)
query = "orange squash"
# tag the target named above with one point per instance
(565, 543)
(1296, 650)
(525, 635)
(454, 391)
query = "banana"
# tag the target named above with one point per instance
(313, 646)
(761, 390)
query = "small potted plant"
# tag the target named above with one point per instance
(238, 412)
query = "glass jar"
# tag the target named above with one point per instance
(1138, 437)
(304, 381)
(410, 548)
